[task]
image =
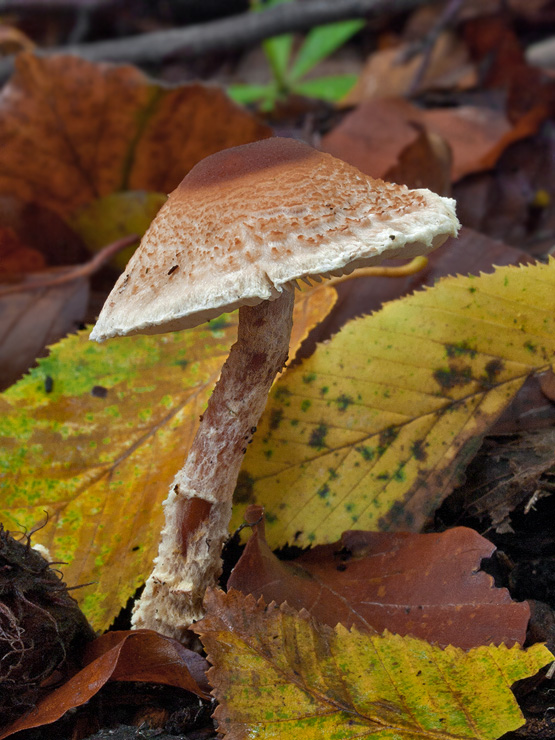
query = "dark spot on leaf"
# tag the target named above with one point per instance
(182, 363)
(323, 491)
(219, 324)
(396, 518)
(244, 490)
(48, 384)
(453, 376)
(387, 437)
(533, 348)
(318, 436)
(134, 549)
(400, 474)
(493, 368)
(281, 393)
(366, 452)
(418, 451)
(458, 349)
(383, 476)
(276, 415)
(324, 389)
(310, 378)
(173, 269)
(98, 391)
(271, 518)
(343, 402)
(341, 567)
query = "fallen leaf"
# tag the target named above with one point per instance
(277, 673)
(140, 655)
(93, 437)
(425, 585)
(72, 131)
(505, 475)
(470, 253)
(374, 429)
(37, 309)
(378, 133)
(387, 73)
(15, 256)
(115, 216)
(32, 319)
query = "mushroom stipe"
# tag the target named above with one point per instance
(239, 231)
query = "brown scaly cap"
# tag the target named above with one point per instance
(247, 222)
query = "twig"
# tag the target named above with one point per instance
(235, 32)
(445, 19)
(73, 273)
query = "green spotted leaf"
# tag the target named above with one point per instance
(278, 674)
(91, 439)
(373, 430)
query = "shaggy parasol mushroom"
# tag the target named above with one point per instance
(241, 228)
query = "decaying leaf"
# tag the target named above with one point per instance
(388, 72)
(140, 655)
(278, 674)
(375, 427)
(425, 585)
(72, 131)
(508, 474)
(93, 436)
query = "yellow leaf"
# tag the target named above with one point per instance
(278, 674)
(92, 438)
(373, 429)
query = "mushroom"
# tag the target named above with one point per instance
(238, 232)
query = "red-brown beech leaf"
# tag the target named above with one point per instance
(140, 655)
(425, 585)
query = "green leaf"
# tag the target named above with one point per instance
(278, 674)
(373, 430)
(320, 43)
(246, 94)
(278, 53)
(331, 88)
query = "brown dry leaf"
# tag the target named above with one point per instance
(32, 319)
(425, 585)
(72, 131)
(15, 256)
(505, 475)
(13, 41)
(387, 74)
(140, 655)
(379, 135)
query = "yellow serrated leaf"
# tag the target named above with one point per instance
(278, 674)
(91, 439)
(373, 430)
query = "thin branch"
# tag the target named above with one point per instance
(72, 273)
(235, 32)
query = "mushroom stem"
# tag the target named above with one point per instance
(198, 507)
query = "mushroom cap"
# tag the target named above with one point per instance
(247, 222)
